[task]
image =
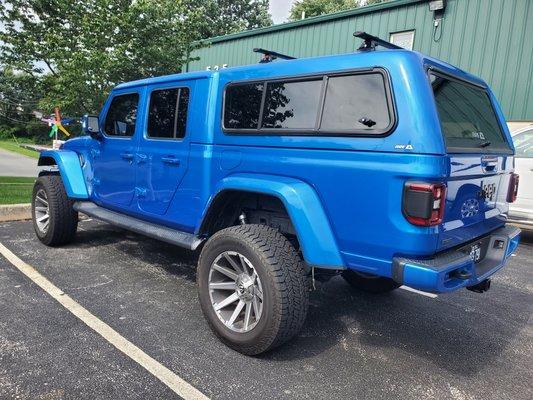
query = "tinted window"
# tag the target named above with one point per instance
(356, 102)
(167, 115)
(242, 105)
(292, 105)
(122, 115)
(467, 117)
(523, 144)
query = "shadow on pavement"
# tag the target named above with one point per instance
(458, 332)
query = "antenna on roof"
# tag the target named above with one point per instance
(370, 42)
(269, 56)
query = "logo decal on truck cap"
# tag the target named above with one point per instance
(404, 147)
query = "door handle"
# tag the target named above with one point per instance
(170, 160)
(127, 156)
(141, 158)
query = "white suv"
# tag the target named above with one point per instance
(521, 211)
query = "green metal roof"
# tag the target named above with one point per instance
(313, 20)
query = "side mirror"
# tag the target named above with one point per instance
(91, 126)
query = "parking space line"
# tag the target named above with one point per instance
(427, 294)
(169, 378)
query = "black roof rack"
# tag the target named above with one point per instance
(269, 55)
(370, 42)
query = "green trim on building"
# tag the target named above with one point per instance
(489, 38)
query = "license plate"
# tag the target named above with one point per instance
(475, 252)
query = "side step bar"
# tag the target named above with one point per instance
(163, 233)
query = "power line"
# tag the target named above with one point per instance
(17, 120)
(13, 119)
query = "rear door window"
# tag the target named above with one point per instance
(167, 117)
(467, 117)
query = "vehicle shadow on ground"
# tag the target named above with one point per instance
(438, 331)
(444, 331)
(526, 236)
(171, 258)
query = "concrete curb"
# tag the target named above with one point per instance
(15, 212)
(20, 212)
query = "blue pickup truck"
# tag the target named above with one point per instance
(386, 166)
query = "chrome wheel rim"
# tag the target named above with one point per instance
(42, 211)
(235, 291)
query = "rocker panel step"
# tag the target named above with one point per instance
(163, 233)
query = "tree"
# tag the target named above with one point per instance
(77, 50)
(222, 17)
(20, 95)
(313, 8)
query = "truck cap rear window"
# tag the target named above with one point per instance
(468, 120)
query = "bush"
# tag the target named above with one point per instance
(7, 132)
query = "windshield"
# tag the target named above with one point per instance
(467, 117)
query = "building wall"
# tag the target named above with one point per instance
(489, 38)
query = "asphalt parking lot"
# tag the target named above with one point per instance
(353, 345)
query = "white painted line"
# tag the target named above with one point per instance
(169, 378)
(427, 294)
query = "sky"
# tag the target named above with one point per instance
(279, 9)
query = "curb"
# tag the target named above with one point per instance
(15, 212)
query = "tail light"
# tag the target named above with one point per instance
(512, 193)
(423, 203)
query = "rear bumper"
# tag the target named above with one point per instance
(454, 269)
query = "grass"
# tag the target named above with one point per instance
(15, 190)
(14, 147)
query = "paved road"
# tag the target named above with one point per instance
(13, 164)
(353, 345)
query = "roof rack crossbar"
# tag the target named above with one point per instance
(370, 42)
(272, 55)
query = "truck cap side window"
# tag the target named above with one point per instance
(355, 103)
(242, 104)
(122, 115)
(467, 117)
(292, 105)
(167, 117)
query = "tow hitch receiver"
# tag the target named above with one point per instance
(481, 287)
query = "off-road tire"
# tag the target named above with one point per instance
(283, 277)
(369, 283)
(63, 219)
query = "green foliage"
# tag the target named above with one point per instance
(17, 92)
(86, 47)
(315, 8)
(228, 16)
(70, 53)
